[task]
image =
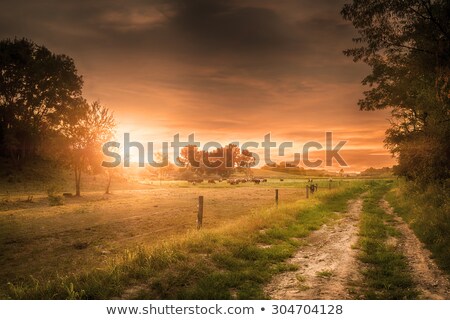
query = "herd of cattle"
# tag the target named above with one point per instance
(230, 181)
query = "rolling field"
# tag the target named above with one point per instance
(342, 242)
(39, 240)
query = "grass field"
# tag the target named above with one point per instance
(41, 241)
(427, 211)
(141, 242)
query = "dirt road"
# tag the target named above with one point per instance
(329, 267)
(327, 264)
(430, 281)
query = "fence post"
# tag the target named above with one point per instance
(276, 196)
(307, 191)
(200, 212)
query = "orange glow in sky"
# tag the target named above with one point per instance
(224, 70)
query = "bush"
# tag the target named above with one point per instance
(53, 198)
(427, 210)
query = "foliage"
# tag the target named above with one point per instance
(82, 135)
(221, 161)
(286, 167)
(428, 213)
(407, 46)
(372, 172)
(43, 112)
(36, 88)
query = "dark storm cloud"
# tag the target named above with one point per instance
(235, 34)
(223, 25)
(217, 46)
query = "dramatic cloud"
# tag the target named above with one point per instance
(223, 69)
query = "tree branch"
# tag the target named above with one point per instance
(433, 19)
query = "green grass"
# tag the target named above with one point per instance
(386, 275)
(427, 211)
(326, 274)
(229, 262)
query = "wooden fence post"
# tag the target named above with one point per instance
(200, 212)
(276, 196)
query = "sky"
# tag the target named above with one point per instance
(224, 70)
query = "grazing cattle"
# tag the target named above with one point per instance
(258, 181)
(211, 181)
(195, 181)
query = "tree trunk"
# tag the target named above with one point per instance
(77, 182)
(14, 160)
(109, 184)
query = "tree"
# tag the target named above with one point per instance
(36, 88)
(111, 172)
(221, 161)
(82, 134)
(407, 45)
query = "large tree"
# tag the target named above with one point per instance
(36, 88)
(407, 45)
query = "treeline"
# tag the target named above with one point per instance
(381, 172)
(43, 113)
(221, 162)
(286, 167)
(407, 46)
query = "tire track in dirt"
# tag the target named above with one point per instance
(327, 263)
(430, 280)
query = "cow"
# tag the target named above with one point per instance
(258, 181)
(195, 181)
